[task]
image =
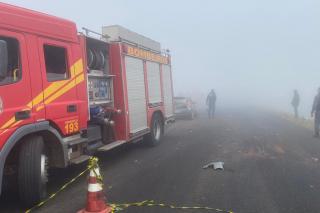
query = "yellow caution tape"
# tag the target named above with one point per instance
(93, 165)
(152, 203)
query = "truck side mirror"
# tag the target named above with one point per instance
(3, 59)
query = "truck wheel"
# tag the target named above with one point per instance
(156, 131)
(32, 172)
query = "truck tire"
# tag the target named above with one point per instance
(156, 131)
(32, 172)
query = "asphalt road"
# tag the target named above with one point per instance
(271, 165)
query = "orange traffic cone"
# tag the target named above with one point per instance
(96, 200)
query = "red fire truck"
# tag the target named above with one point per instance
(65, 95)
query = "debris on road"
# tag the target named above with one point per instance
(214, 165)
(315, 159)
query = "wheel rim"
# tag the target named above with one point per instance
(157, 130)
(44, 167)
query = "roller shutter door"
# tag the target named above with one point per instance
(167, 90)
(154, 88)
(136, 94)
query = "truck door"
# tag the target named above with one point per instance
(59, 88)
(15, 91)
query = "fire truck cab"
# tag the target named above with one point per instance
(65, 95)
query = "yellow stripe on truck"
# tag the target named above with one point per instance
(62, 91)
(52, 92)
(75, 69)
(8, 123)
(65, 89)
(78, 67)
(79, 79)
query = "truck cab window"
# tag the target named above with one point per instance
(56, 63)
(13, 69)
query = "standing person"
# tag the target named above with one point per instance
(211, 103)
(295, 102)
(316, 112)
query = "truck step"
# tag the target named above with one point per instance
(80, 159)
(93, 146)
(77, 141)
(111, 145)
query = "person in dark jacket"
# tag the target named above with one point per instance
(211, 103)
(295, 102)
(316, 112)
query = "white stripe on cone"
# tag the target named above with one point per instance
(94, 187)
(94, 172)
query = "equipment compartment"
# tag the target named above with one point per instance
(100, 83)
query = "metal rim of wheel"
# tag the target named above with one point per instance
(157, 130)
(44, 169)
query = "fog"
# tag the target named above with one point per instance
(253, 53)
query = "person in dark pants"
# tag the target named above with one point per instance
(316, 112)
(211, 103)
(295, 102)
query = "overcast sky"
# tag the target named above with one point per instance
(249, 51)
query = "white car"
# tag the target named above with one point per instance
(185, 108)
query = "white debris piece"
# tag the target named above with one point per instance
(218, 165)
(214, 165)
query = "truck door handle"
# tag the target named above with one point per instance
(72, 108)
(22, 115)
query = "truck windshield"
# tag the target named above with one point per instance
(13, 69)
